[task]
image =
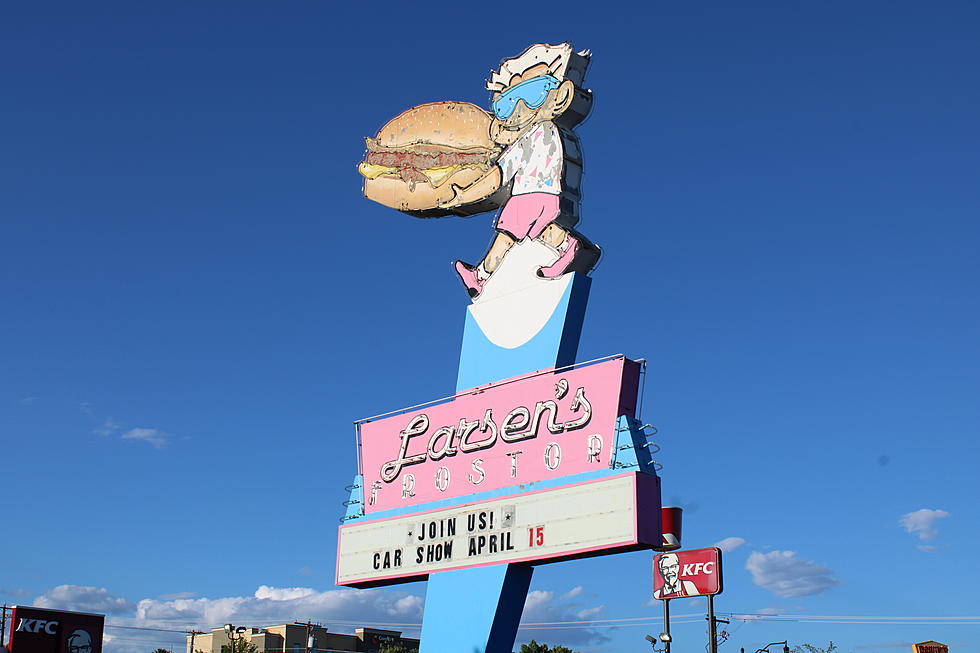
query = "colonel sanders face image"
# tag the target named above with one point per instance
(668, 571)
(669, 568)
(79, 641)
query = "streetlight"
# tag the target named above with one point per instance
(764, 649)
(231, 631)
(663, 637)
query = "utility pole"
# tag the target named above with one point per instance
(310, 625)
(713, 626)
(193, 633)
(3, 625)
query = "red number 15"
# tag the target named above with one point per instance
(535, 536)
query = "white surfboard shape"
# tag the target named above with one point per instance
(516, 303)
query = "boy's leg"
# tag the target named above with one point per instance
(575, 252)
(500, 246)
(474, 277)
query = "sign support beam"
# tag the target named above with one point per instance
(712, 626)
(480, 609)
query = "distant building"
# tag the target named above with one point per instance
(290, 638)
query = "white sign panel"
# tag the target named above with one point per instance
(591, 518)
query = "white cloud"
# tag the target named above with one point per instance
(14, 591)
(306, 571)
(108, 428)
(82, 598)
(590, 612)
(340, 610)
(543, 607)
(155, 437)
(786, 576)
(729, 544)
(283, 593)
(572, 593)
(269, 605)
(922, 523)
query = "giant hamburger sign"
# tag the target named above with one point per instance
(417, 157)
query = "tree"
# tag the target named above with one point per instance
(163, 650)
(810, 648)
(534, 647)
(241, 646)
(396, 647)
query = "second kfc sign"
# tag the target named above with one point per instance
(681, 574)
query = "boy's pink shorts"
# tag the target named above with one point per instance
(527, 215)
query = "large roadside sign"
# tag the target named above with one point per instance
(520, 431)
(681, 574)
(617, 513)
(39, 630)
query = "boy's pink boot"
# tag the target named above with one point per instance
(561, 266)
(469, 278)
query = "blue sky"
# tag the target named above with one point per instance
(197, 302)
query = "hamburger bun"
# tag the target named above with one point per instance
(417, 157)
(420, 199)
(458, 124)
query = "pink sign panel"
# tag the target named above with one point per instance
(680, 574)
(514, 432)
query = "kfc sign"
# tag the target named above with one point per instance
(515, 432)
(681, 574)
(36, 630)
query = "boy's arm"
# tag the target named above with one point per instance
(482, 187)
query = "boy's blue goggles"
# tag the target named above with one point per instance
(534, 92)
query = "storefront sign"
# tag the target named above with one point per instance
(687, 573)
(38, 630)
(619, 513)
(930, 646)
(511, 433)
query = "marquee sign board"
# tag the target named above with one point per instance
(618, 513)
(38, 630)
(681, 574)
(517, 432)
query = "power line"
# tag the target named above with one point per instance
(582, 624)
(160, 630)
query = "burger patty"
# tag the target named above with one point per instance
(411, 176)
(423, 161)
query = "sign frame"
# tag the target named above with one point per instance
(42, 630)
(692, 561)
(641, 517)
(438, 451)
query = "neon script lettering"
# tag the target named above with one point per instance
(484, 432)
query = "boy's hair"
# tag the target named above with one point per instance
(562, 64)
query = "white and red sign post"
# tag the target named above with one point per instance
(684, 574)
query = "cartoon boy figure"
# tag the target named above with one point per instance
(531, 96)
